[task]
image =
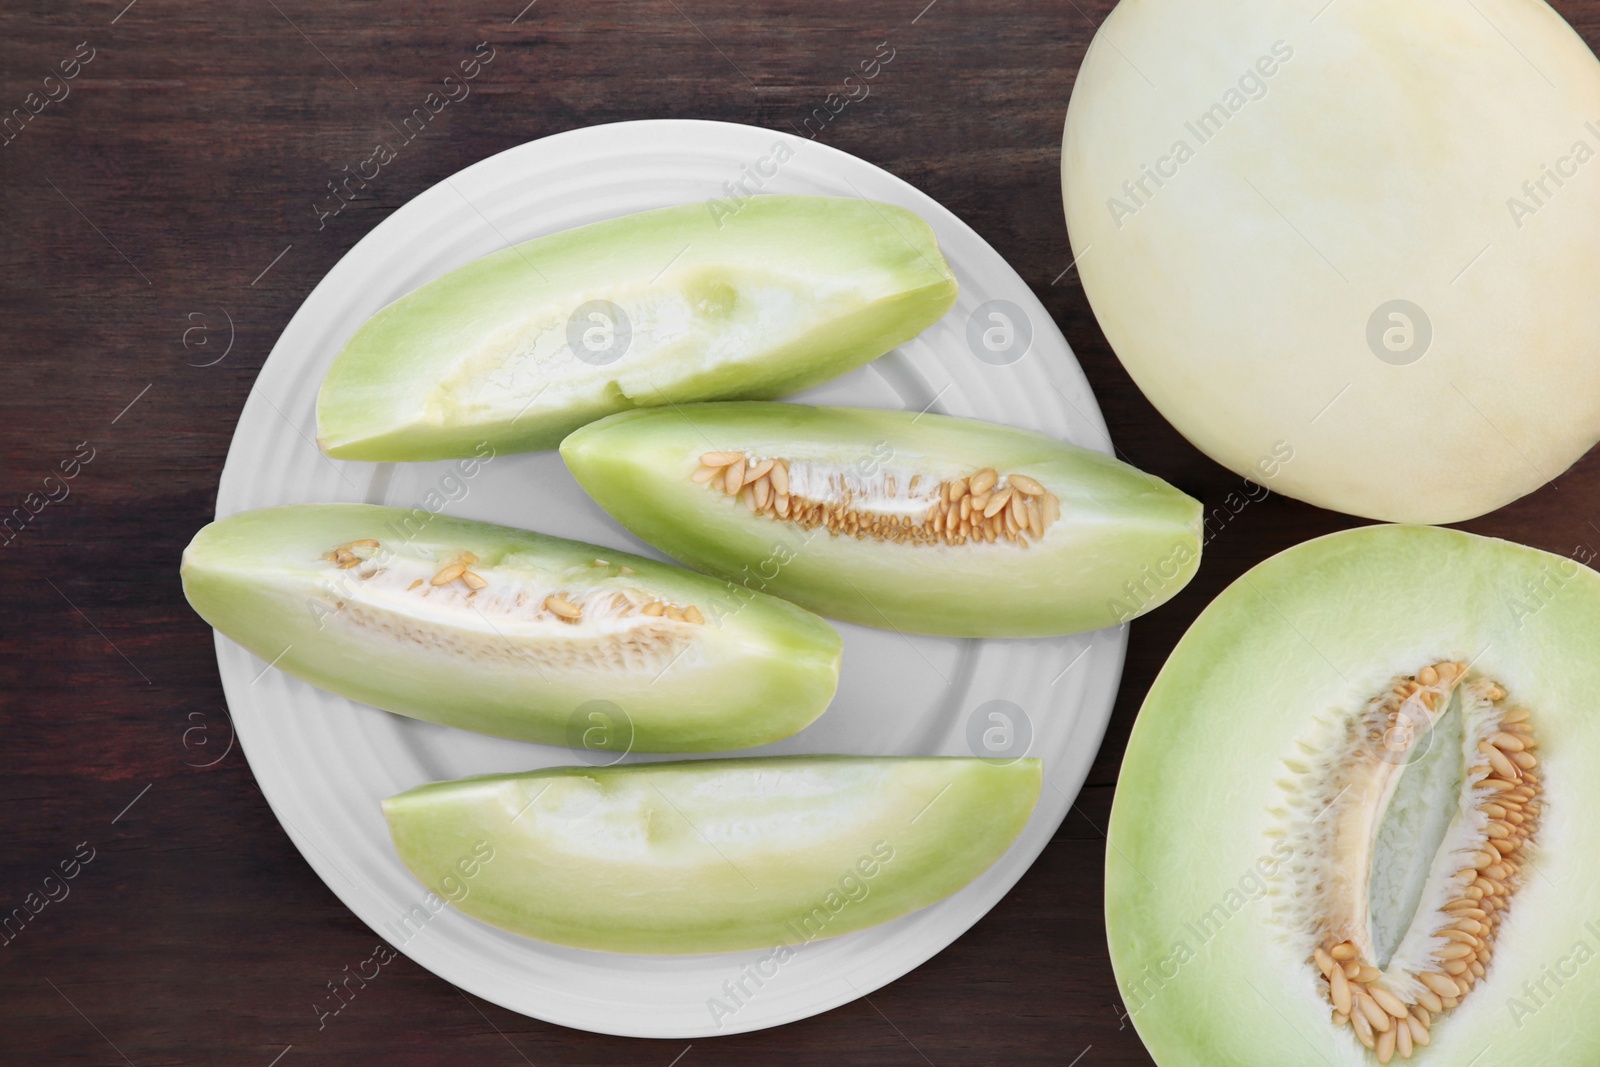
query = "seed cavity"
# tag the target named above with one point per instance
(605, 622)
(983, 508)
(570, 607)
(1396, 948)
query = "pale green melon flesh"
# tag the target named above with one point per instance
(784, 292)
(713, 855)
(1124, 543)
(1199, 874)
(497, 660)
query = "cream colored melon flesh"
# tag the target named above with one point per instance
(1252, 187)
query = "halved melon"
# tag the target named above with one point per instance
(712, 855)
(509, 632)
(1365, 231)
(1356, 819)
(917, 522)
(521, 347)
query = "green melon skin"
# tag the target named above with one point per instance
(757, 670)
(711, 855)
(1191, 872)
(1125, 543)
(783, 293)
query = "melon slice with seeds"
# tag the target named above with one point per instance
(509, 632)
(897, 519)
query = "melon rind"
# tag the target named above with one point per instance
(1202, 966)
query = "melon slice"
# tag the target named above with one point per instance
(509, 632)
(521, 347)
(897, 519)
(712, 855)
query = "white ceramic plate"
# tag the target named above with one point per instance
(325, 762)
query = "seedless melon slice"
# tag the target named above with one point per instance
(712, 855)
(509, 632)
(1356, 819)
(684, 303)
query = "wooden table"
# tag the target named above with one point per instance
(177, 186)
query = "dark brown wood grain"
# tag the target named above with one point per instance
(154, 199)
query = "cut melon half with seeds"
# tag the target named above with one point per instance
(1356, 819)
(684, 303)
(712, 855)
(897, 519)
(509, 632)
